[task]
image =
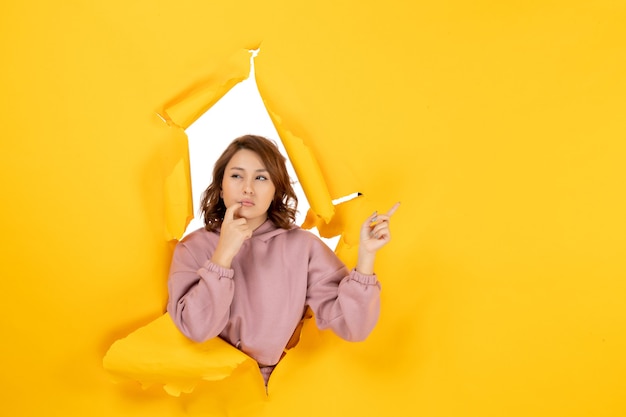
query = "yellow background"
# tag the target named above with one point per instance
(499, 126)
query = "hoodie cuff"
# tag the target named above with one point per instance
(362, 278)
(219, 270)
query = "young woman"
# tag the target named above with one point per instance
(250, 273)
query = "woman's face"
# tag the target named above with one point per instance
(247, 183)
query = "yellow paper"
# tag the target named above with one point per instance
(498, 125)
(159, 354)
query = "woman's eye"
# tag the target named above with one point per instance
(235, 176)
(261, 178)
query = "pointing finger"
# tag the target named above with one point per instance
(393, 209)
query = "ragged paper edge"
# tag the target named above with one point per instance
(188, 106)
(180, 113)
(307, 169)
(322, 209)
(158, 354)
(178, 199)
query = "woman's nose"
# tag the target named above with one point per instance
(247, 188)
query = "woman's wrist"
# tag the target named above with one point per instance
(365, 263)
(220, 259)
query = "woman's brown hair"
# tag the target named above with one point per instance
(282, 210)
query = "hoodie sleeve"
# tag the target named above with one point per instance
(345, 301)
(200, 294)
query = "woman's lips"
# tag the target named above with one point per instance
(247, 203)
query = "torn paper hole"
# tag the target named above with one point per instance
(240, 111)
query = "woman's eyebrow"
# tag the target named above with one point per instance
(242, 169)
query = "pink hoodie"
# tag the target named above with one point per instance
(258, 303)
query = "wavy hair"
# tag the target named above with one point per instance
(282, 209)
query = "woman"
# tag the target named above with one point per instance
(249, 275)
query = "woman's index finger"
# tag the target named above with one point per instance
(393, 209)
(230, 211)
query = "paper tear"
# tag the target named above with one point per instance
(180, 113)
(240, 111)
(159, 354)
(307, 169)
(178, 204)
(184, 109)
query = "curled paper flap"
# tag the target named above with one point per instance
(185, 109)
(308, 170)
(178, 202)
(159, 354)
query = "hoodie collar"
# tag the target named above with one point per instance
(267, 230)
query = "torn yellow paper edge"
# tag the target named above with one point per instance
(180, 113)
(178, 201)
(307, 169)
(185, 109)
(159, 354)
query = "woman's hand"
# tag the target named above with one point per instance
(375, 230)
(375, 234)
(234, 232)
